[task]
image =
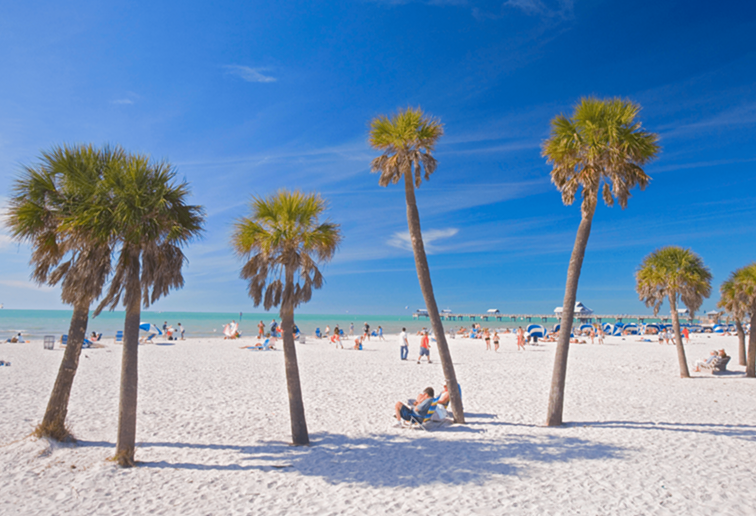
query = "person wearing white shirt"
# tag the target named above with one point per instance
(404, 344)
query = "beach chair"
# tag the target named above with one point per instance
(49, 342)
(317, 332)
(430, 420)
(148, 339)
(118, 339)
(718, 365)
(63, 340)
(86, 344)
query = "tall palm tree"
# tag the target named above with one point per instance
(282, 241)
(143, 210)
(407, 140)
(731, 301)
(45, 199)
(742, 284)
(601, 149)
(679, 275)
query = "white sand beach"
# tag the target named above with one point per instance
(213, 430)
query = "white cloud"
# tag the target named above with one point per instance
(249, 74)
(126, 102)
(402, 240)
(5, 238)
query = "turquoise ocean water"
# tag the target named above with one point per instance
(37, 323)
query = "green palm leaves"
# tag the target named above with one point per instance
(673, 272)
(407, 140)
(284, 232)
(601, 148)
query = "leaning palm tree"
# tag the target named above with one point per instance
(282, 241)
(41, 212)
(731, 301)
(142, 210)
(676, 274)
(601, 149)
(407, 140)
(743, 285)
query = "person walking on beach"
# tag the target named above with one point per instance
(592, 334)
(181, 331)
(261, 330)
(600, 334)
(424, 347)
(327, 331)
(380, 333)
(520, 339)
(273, 327)
(165, 327)
(686, 335)
(366, 331)
(487, 338)
(403, 344)
(496, 340)
(351, 329)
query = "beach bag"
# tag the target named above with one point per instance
(440, 414)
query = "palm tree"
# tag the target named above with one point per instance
(735, 306)
(41, 210)
(601, 149)
(143, 210)
(742, 287)
(679, 275)
(407, 140)
(282, 241)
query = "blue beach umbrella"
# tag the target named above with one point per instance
(145, 326)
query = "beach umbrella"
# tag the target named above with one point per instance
(145, 326)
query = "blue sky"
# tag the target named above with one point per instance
(245, 98)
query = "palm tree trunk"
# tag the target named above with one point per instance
(678, 338)
(423, 276)
(127, 409)
(54, 422)
(741, 342)
(751, 366)
(299, 434)
(558, 377)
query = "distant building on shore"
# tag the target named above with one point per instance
(580, 310)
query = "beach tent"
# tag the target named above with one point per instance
(630, 328)
(655, 328)
(617, 330)
(557, 327)
(150, 328)
(608, 328)
(585, 328)
(536, 330)
(718, 329)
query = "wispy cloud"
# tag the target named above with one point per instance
(557, 10)
(249, 74)
(402, 240)
(129, 99)
(28, 285)
(734, 118)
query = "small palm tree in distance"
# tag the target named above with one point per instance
(736, 305)
(407, 140)
(41, 212)
(145, 212)
(676, 274)
(741, 288)
(600, 150)
(283, 240)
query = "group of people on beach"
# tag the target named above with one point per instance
(416, 410)
(424, 345)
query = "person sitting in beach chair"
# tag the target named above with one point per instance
(717, 364)
(415, 410)
(705, 362)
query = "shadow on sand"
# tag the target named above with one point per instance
(747, 432)
(389, 460)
